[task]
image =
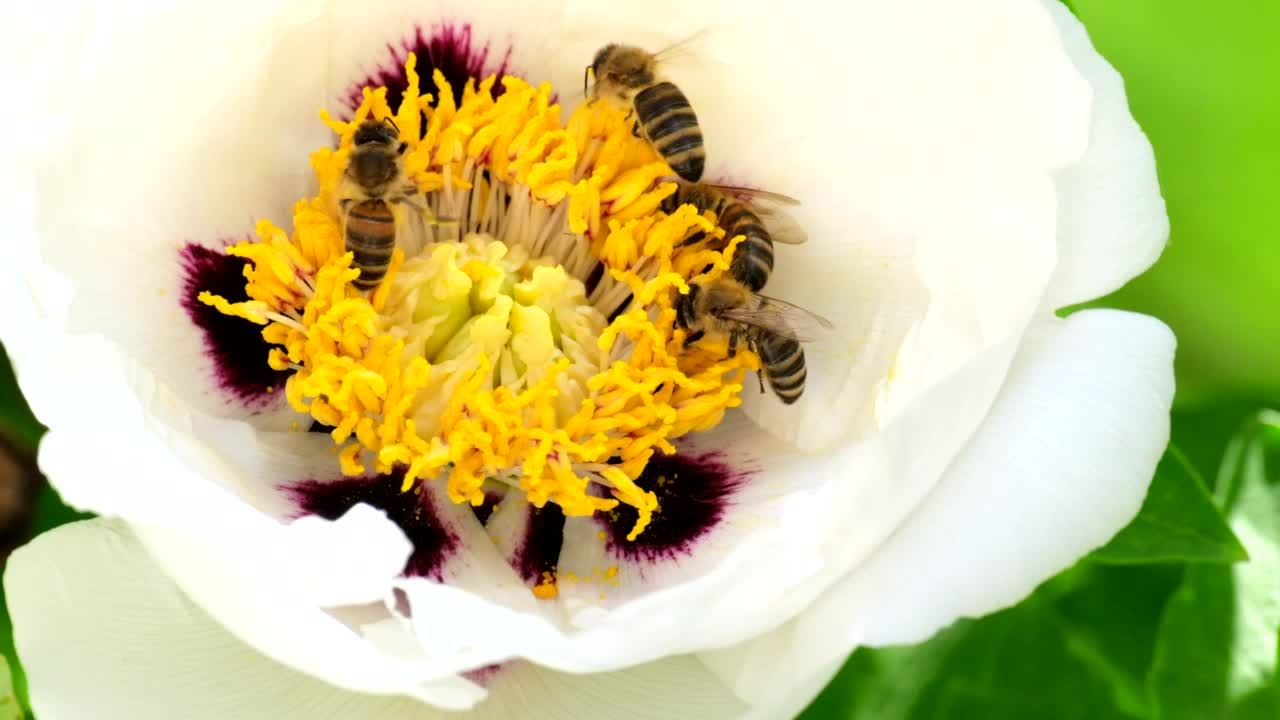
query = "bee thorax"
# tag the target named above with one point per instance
(373, 170)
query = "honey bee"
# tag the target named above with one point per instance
(769, 327)
(629, 75)
(760, 226)
(374, 181)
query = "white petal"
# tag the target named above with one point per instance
(27, 35)
(786, 700)
(104, 633)
(921, 138)
(1111, 218)
(168, 146)
(259, 599)
(348, 561)
(1061, 463)
(243, 566)
(677, 687)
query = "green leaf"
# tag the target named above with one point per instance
(883, 684)
(1217, 648)
(19, 424)
(10, 708)
(1078, 648)
(1178, 522)
(1110, 623)
(1203, 434)
(16, 418)
(1189, 673)
(1252, 450)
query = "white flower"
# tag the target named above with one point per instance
(966, 169)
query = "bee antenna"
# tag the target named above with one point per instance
(668, 51)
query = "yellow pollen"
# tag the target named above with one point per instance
(482, 358)
(547, 589)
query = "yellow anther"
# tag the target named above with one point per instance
(251, 310)
(407, 117)
(277, 359)
(473, 361)
(546, 590)
(350, 460)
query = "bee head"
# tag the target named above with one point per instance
(377, 132)
(602, 55)
(687, 307)
(623, 66)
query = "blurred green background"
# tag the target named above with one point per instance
(1169, 621)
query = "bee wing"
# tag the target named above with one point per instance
(782, 227)
(755, 196)
(782, 318)
(768, 205)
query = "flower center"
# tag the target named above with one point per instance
(523, 332)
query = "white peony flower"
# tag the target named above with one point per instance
(965, 170)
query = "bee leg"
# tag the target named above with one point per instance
(635, 126)
(409, 200)
(760, 377)
(693, 338)
(734, 337)
(345, 204)
(693, 239)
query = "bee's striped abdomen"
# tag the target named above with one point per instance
(671, 126)
(371, 238)
(753, 259)
(782, 360)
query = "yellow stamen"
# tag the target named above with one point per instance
(482, 359)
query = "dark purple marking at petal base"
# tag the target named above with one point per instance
(543, 538)
(485, 511)
(693, 492)
(484, 675)
(234, 345)
(448, 48)
(433, 542)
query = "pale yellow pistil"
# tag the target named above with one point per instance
(481, 357)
